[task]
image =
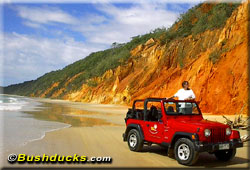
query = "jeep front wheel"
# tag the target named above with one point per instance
(135, 141)
(225, 155)
(185, 152)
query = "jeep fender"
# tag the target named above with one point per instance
(133, 126)
(178, 135)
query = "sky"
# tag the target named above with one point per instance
(41, 37)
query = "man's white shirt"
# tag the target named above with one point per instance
(183, 94)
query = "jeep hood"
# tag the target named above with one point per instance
(200, 124)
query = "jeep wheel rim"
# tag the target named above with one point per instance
(132, 140)
(183, 152)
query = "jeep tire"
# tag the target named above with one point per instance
(225, 155)
(135, 142)
(184, 151)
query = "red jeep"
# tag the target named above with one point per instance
(179, 126)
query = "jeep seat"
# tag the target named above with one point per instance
(153, 114)
(170, 110)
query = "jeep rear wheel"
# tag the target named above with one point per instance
(185, 152)
(135, 141)
(225, 155)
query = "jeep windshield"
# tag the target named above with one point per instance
(181, 108)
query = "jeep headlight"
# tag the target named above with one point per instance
(207, 132)
(228, 131)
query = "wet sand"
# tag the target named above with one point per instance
(97, 131)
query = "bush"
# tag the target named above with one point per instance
(215, 56)
(201, 24)
(92, 83)
(219, 14)
(195, 21)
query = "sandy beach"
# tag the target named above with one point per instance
(97, 131)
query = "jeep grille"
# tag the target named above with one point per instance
(218, 135)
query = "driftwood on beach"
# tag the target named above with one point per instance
(239, 123)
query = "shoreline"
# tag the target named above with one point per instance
(21, 119)
(46, 132)
(39, 138)
(63, 101)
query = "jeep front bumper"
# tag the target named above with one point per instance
(211, 147)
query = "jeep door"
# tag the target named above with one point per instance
(154, 131)
(153, 127)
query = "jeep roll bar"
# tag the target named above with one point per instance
(156, 100)
(150, 100)
(145, 104)
(133, 107)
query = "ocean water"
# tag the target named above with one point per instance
(17, 127)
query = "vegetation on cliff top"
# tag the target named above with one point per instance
(199, 19)
(196, 20)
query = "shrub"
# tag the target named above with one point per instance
(92, 83)
(219, 14)
(201, 24)
(214, 56)
(195, 21)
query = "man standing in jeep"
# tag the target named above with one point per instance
(184, 94)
